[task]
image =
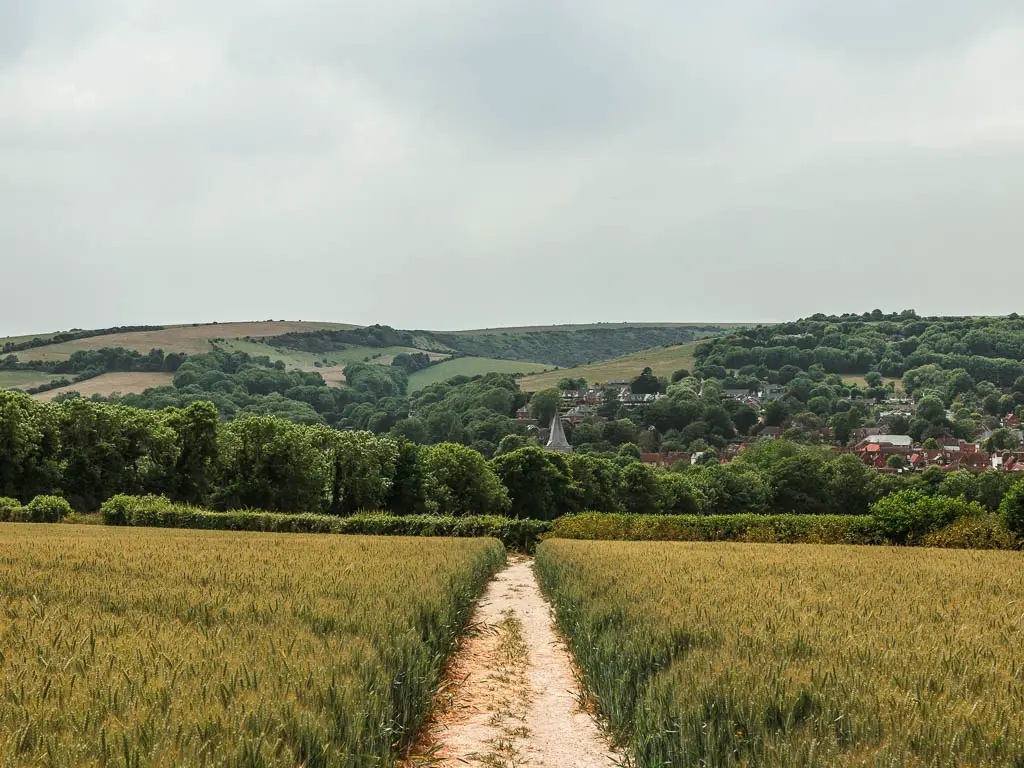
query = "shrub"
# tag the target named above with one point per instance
(1012, 508)
(11, 510)
(975, 532)
(125, 509)
(47, 509)
(905, 517)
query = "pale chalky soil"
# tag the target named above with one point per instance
(514, 709)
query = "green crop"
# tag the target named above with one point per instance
(725, 654)
(148, 647)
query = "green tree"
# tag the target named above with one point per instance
(1012, 508)
(406, 495)
(195, 428)
(646, 383)
(361, 469)
(620, 431)
(457, 481)
(931, 409)
(538, 482)
(639, 492)
(108, 449)
(798, 484)
(1002, 440)
(595, 482)
(29, 444)
(545, 404)
(272, 464)
(678, 495)
(743, 418)
(513, 442)
(851, 485)
(776, 413)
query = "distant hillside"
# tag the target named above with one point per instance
(558, 345)
(567, 348)
(66, 359)
(664, 361)
(189, 339)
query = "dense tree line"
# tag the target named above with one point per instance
(989, 348)
(239, 385)
(88, 452)
(92, 362)
(963, 373)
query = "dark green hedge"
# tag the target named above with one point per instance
(818, 529)
(515, 534)
(42, 509)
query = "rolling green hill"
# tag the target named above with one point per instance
(327, 348)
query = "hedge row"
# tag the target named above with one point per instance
(42, 509)
(157, 511)
(971, 531)
(818, 529)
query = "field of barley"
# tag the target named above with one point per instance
(152, 647)
(722, 654)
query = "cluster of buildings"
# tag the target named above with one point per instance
(951, 454)
(872, 445)
(579, 404)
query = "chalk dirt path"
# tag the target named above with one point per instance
(511, 698)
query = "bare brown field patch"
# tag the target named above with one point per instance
(111, 383)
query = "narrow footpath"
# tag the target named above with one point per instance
(511, 698)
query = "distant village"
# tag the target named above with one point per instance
(878, 448)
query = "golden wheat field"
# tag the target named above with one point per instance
(139, 647)
(720, 654)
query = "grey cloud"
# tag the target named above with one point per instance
(895, 29)
(444, 163)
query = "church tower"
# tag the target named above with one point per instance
(557, 441)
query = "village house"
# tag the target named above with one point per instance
(578, 413)
(666, 459)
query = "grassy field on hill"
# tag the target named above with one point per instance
(166, 647)
(111, 383)
(468, 366)
(797, 655)
(24, 379)
(861, 382)
(662, 360)
(191, 339)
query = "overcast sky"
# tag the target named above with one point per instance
(465, 163)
